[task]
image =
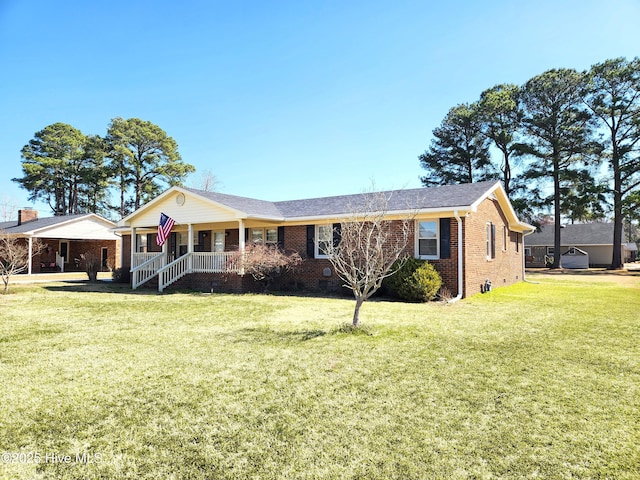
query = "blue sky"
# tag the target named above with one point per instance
(289, 99)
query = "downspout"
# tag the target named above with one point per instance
(460, 263)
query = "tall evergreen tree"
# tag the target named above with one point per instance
(582, 198)
(558, 132)
(500, 115)
(144, 159)
(613, 95)
(459, 152)
(94, 190)
(53, 166)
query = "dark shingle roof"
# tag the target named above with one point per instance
(574, 234)
(448, 196)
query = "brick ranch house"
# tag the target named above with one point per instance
(469, 232)
(66, 238)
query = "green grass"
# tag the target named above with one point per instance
(529, 381)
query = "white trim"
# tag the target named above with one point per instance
(316, 246)
(416, 246)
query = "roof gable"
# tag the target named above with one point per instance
(87, 226)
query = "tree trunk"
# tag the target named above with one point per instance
(356, 311)
(557, 220)
(616, 260)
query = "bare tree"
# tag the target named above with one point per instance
(15, 256)
(265, 262)
(8, 209)
(366, 245)
(208, 181)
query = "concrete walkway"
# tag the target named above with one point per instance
(56, 277)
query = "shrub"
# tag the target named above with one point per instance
(121, 275)
(91, 265)
(415, 281)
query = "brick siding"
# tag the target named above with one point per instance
(507, 267)
(317, 274)
(76, 248)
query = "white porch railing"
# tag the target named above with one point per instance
(140, 258)
(197, 262)
(146, 270)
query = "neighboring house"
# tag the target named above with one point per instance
(209, 226)
(594, 239)
(66, 239)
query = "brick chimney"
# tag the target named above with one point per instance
(27, 215)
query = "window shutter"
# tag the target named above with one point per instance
(311, 230)
(445, 238)
(337, 234)
(281, 237)
(493, 241)
(150, 242)
(246, 234)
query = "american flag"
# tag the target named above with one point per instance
(164, 228)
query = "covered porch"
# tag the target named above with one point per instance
(193, 248)
(209, 231)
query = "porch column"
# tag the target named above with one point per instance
(190, 247)
(241, 242)
(30, 270)
(134, 247)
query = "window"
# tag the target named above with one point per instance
(527, 251)
(263, 235)
(324, 237)
(551, 251)
(272, 235)
(505, 238)
(183, 243)
(427, 239)
(491, 241)
(257, 235)
(218, 241)
(141, 243)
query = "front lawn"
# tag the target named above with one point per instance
(530, 381)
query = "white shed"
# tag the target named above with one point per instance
(574, 258)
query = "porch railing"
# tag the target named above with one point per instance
(197, 262)
(146, 270)
(140, 258)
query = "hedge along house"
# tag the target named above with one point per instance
(469, 232)
(66, 238)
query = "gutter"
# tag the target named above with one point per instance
(460, 264)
